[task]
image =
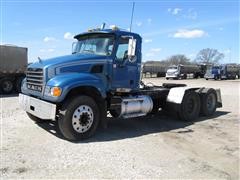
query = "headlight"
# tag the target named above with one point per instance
(53, 91)
(176, 73)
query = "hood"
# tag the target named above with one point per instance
(65, 59)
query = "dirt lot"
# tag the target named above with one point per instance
(150, 147)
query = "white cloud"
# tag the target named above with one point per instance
(187, 14)
(174, 11)
(191, 14)
(184, 33)
(149, 20)
(155, 50)
(139, 24)
(49, 39)
(148, 40)
(191, 56)
(227, 51)
(149, 54)
(220, 29)
(68, 36)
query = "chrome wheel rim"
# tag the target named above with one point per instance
(82, 118)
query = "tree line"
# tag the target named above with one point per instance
(206, 56)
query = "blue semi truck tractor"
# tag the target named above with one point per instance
(225, 71)
(103, 75)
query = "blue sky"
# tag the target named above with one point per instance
(167, 27)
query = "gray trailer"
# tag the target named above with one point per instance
(229, 71)
(154, 68)
(13, 63)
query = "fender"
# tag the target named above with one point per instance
(176, 94)
(69, 81)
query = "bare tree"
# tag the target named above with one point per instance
(209, 56)
(178, 59)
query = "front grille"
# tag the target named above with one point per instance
(35, 79)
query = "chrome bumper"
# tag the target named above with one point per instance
(171, 76)
(37, 107)
(209, 76)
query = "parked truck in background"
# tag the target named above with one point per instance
(225, 71)
(182, 71)
(103, 75)
(154, 67)
(13, 63)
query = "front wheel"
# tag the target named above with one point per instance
(190, 106)
(79, 118)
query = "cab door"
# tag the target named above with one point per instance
(124, 77)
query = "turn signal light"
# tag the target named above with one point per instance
(56, 91)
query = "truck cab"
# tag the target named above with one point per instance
(213, 72)
(103, 75)
(173, 72)
(99, 59)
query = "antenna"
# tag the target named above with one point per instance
(103, 25)
(132, 16)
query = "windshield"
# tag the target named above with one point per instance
(94, 44)
(172, 67)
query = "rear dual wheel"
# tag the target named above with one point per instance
(208, 102)
(6, 86)
(190, 107)
(194, 103)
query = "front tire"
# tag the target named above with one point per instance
(190, 106)
(79, 118)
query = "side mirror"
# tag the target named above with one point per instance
(132, 47)
(74, 47)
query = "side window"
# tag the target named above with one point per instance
(122, 51)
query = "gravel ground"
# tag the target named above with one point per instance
(147, 147)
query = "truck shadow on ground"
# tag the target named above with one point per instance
(8, 95)
(129, 128)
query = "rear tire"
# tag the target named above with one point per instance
(208, 102)
(79, 118)
(34, 118)
(190, 106)
(6, 86)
